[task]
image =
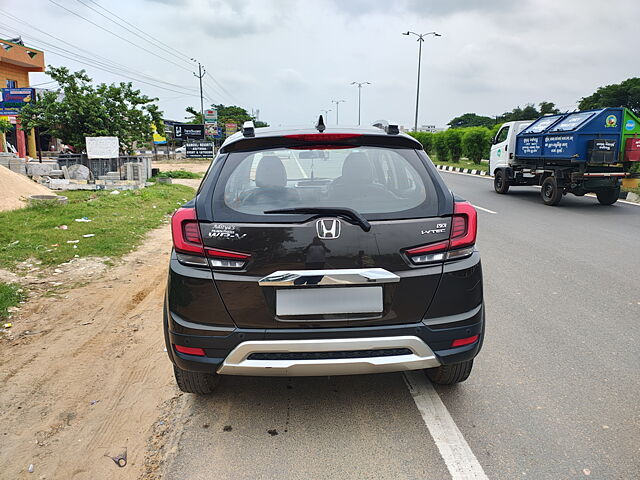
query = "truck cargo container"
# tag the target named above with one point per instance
(580, 152)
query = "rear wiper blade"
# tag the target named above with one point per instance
(348, 214)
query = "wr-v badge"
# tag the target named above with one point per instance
(328, 228)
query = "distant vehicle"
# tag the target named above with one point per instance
(580, 152)
(323, 252)
(182, 149)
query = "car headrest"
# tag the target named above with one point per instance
(271, 172)
(357, 168)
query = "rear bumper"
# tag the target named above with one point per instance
(228, 349)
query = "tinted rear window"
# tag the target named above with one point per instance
(380, 183)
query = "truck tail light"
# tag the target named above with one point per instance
(190, 250)
(461, 242)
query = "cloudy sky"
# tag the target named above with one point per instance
(291, 58)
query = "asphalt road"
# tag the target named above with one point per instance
(554, 394)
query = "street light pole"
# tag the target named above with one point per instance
(359, 84)
(201, 73)
(420, 40)
(337, 102)
(326, 114)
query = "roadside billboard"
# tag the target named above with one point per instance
(211, 116)
(183, 131)
(199, 149)
(102, 147)
(13, 99)
(230, 128)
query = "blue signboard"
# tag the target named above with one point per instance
(13, 99)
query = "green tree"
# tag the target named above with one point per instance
(474, 143)
(453, 139)
(440, 146)
(78, 109)
(226, 114)
(471, 120)
(548, 108)
(624, 94)
(5, 127)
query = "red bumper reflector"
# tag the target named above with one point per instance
(459, 342)
(190, 350)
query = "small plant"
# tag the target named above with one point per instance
(178, 174)
(11, 294)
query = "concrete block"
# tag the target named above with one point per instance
(41, 168)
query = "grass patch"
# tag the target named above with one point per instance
(178, 174)
(118, 223)
(11, 294)
(463, 163)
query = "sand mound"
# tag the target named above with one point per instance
(15, 188)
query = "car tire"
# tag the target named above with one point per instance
(551, 194)
(500, 182)
(608, 196)
(450, 374)
(195, 382)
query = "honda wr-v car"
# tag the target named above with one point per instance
(323, 252)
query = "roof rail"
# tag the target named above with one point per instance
(389, 128)
(248, 129)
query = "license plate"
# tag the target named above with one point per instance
(320, 301)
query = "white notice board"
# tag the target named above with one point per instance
(103, 147)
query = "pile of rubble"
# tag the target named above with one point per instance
(132, 175)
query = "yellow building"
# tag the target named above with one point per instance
(16, 62)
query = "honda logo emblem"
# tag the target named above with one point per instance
(328, 228)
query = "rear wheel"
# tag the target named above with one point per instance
(551, 194)
(500, 182)
(609, 196)
(450, 374)
(195, 382)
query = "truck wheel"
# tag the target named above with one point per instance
(608, 196)
(195, 382)
(450, 374)
(551, 194)
(500, 182)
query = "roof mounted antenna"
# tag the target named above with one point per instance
(320, 126)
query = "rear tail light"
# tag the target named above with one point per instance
(459, 342)
(190, 249)
(190, 350)
(461, 242)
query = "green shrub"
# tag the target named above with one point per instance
(178, 174)
(425, 138)
(474, 143)
(439, 146)
(453, 140)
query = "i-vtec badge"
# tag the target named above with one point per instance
(440, 228)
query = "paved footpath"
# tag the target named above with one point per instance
(554, 394)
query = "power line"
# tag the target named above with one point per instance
(140, 30)
(118, 36)
(128, 29)
(107, 65)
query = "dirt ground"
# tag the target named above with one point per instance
(188, 165)
(85, 376)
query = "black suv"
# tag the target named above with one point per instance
(323, 252)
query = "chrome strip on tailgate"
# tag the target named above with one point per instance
(312, 278)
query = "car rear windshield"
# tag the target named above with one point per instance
(379, 183)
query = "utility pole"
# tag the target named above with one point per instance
(337, 102)
(420, 41)
(359, 84)
(201, 73)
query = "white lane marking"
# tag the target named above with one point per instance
(454, 449)
(484, 209)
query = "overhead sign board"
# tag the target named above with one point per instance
(183, 131)
(13, 99)
(211, 116)
(199, 149)
(103, 147)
